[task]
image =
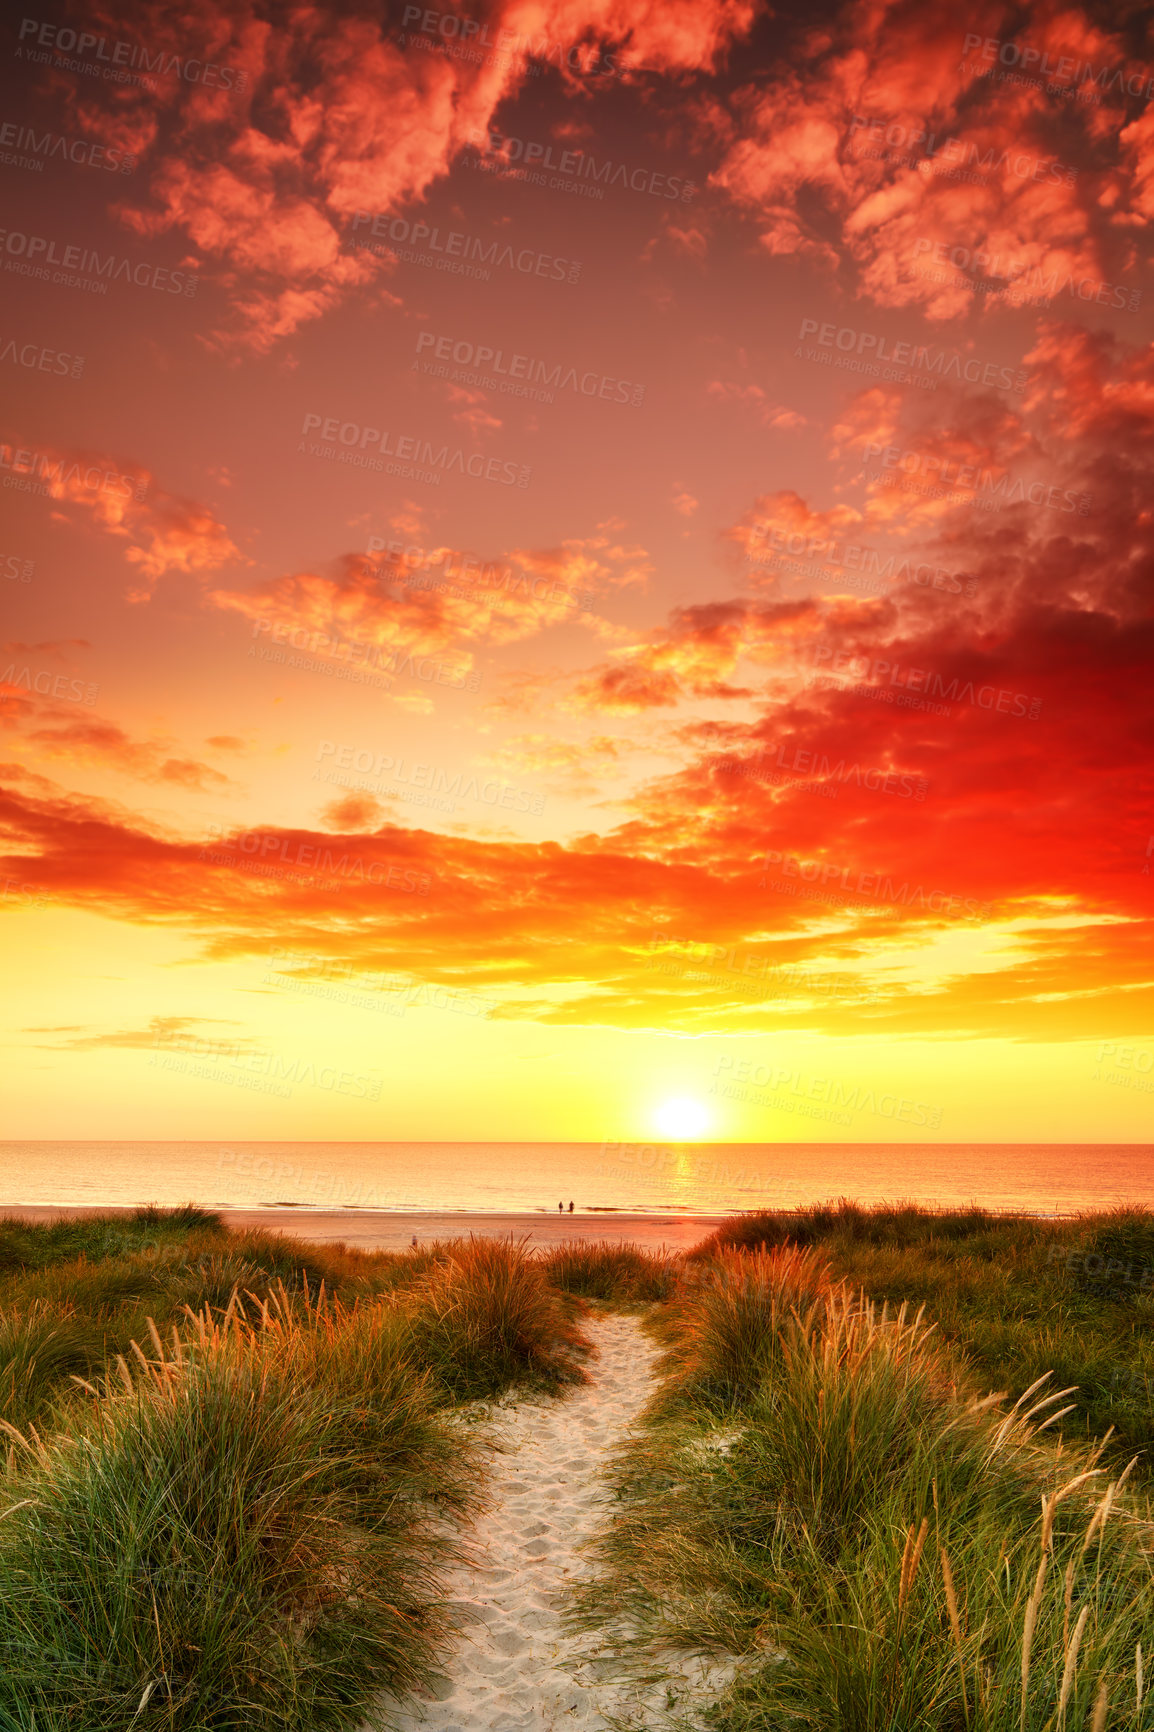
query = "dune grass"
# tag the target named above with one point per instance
(75, 1294)
(484, 1317)
(1018, 1296)
(241, 1532)
(616, 1273)
(244, 1521)
(237, 1464)
(823, 1494)
(28, 1245)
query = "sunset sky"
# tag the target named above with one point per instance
(561, 557)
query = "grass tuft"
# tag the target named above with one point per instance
(822, 1494)
(241, 1534)
(621, 1274)
(483, 1316)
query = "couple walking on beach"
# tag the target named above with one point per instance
(561, 1208)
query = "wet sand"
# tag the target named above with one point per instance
(378, 1230)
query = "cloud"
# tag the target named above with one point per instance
(427, 600)
(327, 116)
(766, 412)
(161, 1031)
(606, 930)
(469, 410)
(876, 151)
(695, 656)
(535, 754)
(353, 812)
(166, 533)
(91, 740)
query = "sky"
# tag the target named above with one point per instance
(578, 571)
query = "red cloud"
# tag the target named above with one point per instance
(696, 656)
(918, 757)
(767, 412)
(938, 175)
(324, 116)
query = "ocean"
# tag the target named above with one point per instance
(643, 1178)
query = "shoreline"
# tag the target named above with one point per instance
(393, 1230)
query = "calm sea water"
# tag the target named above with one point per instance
(650, 1178)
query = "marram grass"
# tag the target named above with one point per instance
(238, 1464)
(245, 1522)
(880, 1547)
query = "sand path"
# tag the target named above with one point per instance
(515, 1668)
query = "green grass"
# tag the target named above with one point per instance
(237, 1464)
(75, 1294)
(822, 1491)
(485, 1317)
(244, 1522)
(240, 1537)
(25, 1245)
(616, 1273)
(1011, 1292)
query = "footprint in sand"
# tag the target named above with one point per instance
(513, 1668)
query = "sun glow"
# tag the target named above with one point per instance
(681, 1119)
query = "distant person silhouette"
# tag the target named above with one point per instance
(560, 1208)
(570, 1208)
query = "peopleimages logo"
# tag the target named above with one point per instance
(475, 33)
(941, 474)
(117, 60)
(1064, 70)
(84, 152)
(42, 359)
(876, 884)
(985, 267)
(408, 447)
(430, 778)
(453, 567)
(855, 667)
(457, 252)
(514, 368)
(86, 262)
(768, 545)
(960, 154)
(48, 684)
(805, 763)
(289, 851)
(579, 165)
(46, 473)
(945, 363)
(830, 1092)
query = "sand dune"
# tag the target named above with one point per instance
(514, 1667)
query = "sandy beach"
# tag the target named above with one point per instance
(378, 1230)
(516, 1666)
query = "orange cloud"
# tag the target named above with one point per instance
(167, 533)
(425, 600)
(92, 740)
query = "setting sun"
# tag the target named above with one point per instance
(681, 1118)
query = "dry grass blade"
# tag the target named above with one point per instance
(911, 1558)
(1071, 1665)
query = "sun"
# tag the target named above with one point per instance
(681, 1118)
